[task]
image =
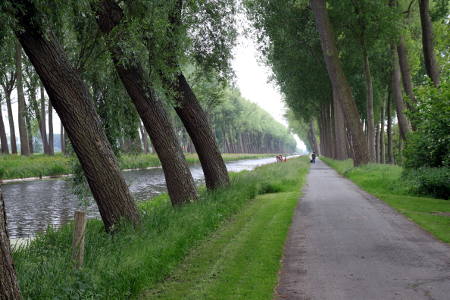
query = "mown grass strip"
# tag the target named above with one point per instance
(38, 165)
(241, 260)
(123, 265)
(385, 183)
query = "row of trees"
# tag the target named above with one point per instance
(110, 66)
(347, 68)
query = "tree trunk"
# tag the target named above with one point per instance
(40, 115)
(403, 122)
(189, 110)
(405, 72)
(427, 43)
(29, 132)
(62, 139)
(382, 155)
(339, 127)
(339, 82)
(313, 137)
(51, 143)
(9, 289)
(3, 138)
(24, 145)
(196, 122)
(369, 98)
(42, 123)
(390, 156)
(144, 138)
(180, 183)
(12, 130)
(71, 100)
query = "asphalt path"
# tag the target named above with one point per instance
(347, 244)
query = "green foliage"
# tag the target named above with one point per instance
(124, 264)
(430, 181)
(429, 145)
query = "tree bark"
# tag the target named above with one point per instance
(51, 143)
(339, 82)
(390, 156)
(12, 130)
(405, 72)
(71, 99)
(369, 98)
(40, 115)
(42, 123)
(180, 183)
(62, 140)
(3, 138)
(427, 43)
(29, 132)
(339, 127)
(24, 143)
(196, 123)
(403, 122)
(9, 289)
(192, 114)
(382, 148)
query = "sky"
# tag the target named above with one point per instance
(252, 79)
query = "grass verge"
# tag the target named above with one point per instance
(125, 264)
(386, 183)
(37, 165)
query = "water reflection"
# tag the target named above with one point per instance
(33, 206)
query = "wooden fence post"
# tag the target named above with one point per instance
(78, 238)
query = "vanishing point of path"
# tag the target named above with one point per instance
(346, 244)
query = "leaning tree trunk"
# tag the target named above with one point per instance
(3, 138)
(403, 122)
(9, 289)
(24, 145)
(339, 82)
(70, 97)
(406, 72)
(196, 123)
(192, 114)
(427, 43)
(369, 99)
(12, 131)
(180, 183)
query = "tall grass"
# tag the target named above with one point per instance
(120, 266)
(37, 165)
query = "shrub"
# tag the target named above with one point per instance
(430, 181)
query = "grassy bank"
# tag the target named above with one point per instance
(131, 262)
(16, 166)
(386, 183)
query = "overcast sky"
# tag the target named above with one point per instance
(252, 78)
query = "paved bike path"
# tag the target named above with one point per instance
(346, 244)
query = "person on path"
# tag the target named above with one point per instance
(313, 157)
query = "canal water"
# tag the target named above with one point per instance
(34, 205)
